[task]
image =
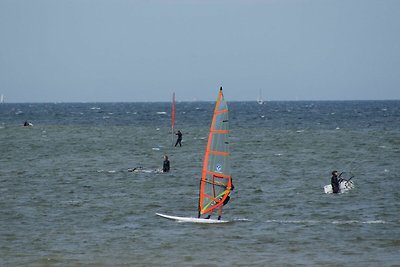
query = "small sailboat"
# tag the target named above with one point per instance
(216, 178)
(2, 99)
(259, 98)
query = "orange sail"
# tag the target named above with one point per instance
(173, 117)
(216, 179)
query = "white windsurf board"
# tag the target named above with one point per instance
(190, 219)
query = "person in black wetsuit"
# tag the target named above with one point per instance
(335, 182)
(165, 164)
(179, 140)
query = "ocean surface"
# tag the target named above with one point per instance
(67, 199)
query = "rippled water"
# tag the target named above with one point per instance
(66, 198)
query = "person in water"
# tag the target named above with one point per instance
(223, 204)
(179, 140)
(27, 124)
(165, 164)
(335, 182)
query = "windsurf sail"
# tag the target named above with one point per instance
(259, 98)
(216, 179)
(173, 117)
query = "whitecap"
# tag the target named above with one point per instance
(375, 222)
(294, 221)
(241, 220)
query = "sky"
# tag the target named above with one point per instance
(131, 51)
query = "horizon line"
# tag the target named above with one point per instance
(199, 101)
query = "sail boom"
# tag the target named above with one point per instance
(220, 176)
(217, 174)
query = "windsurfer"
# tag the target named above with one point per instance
(27, 124)
(335, 182)
(223, 204)
(165, 164)
(179, 140)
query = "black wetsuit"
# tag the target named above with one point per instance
(335, 184)
(166, 166)
(228, 197)
(179, 140)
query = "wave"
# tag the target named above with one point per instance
(327, 222)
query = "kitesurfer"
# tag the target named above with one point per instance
(179, 140)
(335, 182)
(165, 164)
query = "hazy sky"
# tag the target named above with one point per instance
(127, 50)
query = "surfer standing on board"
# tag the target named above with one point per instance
(165, 164)
(335, 182)
(179, 140)
(223, 204)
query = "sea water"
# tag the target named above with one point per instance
(67, 199)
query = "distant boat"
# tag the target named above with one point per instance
(216, 179)
(259, 98)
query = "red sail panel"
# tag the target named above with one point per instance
(173, 111)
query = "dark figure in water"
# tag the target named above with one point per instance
(165, 164)
(179, 140)
(335, 182)
(26, 123)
